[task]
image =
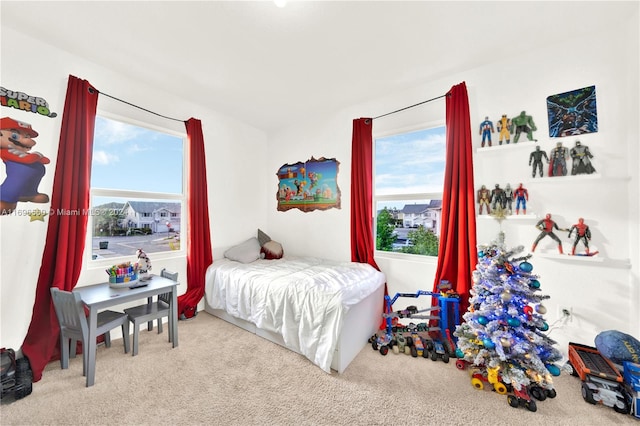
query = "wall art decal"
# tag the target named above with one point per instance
(25, 102)
(573, 113)
(309, 185)
(24, 167)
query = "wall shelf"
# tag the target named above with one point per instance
(510, 217)
(597, 259)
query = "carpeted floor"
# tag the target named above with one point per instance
(222, 375)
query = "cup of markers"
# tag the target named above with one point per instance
(123, 274)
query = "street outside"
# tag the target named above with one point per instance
(118, 246)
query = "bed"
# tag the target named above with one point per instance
(322, 309)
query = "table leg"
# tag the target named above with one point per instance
(174, 315)
(90, 347)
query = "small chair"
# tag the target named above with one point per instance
(151, 311)
(74, 326)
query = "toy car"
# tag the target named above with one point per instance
(540, 393)
(17, 376)
(481, 376)
(521, 398)
(439, 352)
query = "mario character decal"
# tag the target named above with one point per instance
(310, 185)
(24, 167)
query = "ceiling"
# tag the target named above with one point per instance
(271, 66)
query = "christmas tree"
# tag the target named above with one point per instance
(503, 329)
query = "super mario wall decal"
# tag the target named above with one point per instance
(312, 185)
(25, 102)
(24, 168)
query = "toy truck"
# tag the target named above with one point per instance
(632, 381)
(16, 375)
(601, 381)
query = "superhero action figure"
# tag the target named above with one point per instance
(521, 196)
(497, 198)
(504, 129)
(535, 159)
(486, 128)
(508, 198)
(558, 160)
(484, 197)
(581, 157)
(523, 123)
(582, 234)
(546, 226)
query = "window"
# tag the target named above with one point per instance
(137, 190)
(409, 178)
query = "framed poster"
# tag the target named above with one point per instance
(309, 185)
(573, 113)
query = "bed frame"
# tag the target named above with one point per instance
(361, 322)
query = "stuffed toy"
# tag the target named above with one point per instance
(144, 263)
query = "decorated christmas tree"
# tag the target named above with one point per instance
(504, 327)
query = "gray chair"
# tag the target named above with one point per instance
(151, 311)
(74, 326)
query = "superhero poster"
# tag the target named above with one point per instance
(310, 185)
(572, 113)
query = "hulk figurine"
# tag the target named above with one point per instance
(523, 123)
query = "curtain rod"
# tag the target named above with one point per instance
(410, 106)
(139, 107)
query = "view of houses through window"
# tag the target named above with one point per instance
(409, 178)
(137, 190)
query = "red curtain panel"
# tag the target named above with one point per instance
(457, 255)
(64, 244)
(199, 255)
(362, 243)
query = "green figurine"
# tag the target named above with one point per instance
(523, 123)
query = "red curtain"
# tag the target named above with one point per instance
(362, 244)
(457, 256)
(199, 255)
(64, 245)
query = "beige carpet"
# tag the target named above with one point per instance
(222, 375)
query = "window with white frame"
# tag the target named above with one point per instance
(409, 178)
(137, 190)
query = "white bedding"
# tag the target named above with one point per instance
(303, 299)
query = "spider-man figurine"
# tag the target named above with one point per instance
(546, 226)
(521, 195)
(582, 234)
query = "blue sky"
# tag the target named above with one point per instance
(135, 158)
(410, 163)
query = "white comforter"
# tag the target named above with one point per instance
(303, 299)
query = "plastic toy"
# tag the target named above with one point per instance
(497, 197)
(581, 160)
(17, 376)
(558, 160)
(486, 128)
(504, 129)
(601, 381)
(439, 352)
(631, 377)
(484, 197)
(535, 160)
(521, 398)
(583, 233)
(382, 343)
(481, 376)
(521, 196)
(508, 198)
(523, 123)
(546, 226)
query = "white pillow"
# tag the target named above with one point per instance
(246, 252)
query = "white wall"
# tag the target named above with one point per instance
(604, 295)
(237, 196)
